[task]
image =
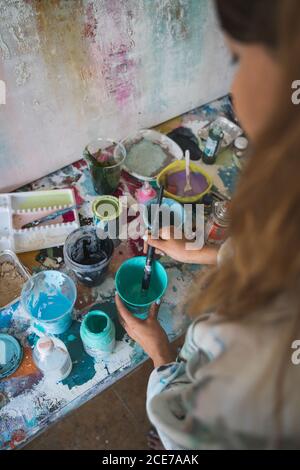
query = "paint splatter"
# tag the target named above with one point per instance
(32, 402)
(83, 368)
(229, 175)
(90, 27)
(23, 73)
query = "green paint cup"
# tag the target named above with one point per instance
(98, 333)
(129, 285)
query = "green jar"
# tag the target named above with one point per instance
(98, 334)
(106, 215)
(105, 158)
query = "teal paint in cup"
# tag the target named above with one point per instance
(129, 285)
(49, 298)
(172, 213)
(98, 334)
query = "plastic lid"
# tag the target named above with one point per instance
(10, 355)
(107, 208)
(45, 345)
(241, 143)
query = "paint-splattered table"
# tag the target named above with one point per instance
(28, 404)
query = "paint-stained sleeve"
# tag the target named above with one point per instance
(172, 414)
(202, 345)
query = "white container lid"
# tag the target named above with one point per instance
(45, 345)
(241, 143)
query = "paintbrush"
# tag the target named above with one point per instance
(151, 249)
(220, 196)
(188, 186)
(52, 216)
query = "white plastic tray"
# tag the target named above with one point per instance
(16, 208)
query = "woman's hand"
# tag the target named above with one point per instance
(147, 333)
(178, 248)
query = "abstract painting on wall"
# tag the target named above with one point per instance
(76, 70)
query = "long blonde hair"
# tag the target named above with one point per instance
(265, 211)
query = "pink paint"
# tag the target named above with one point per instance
(90, 27)
(119, 73)
(69, 217)
(145, 193)
(81, 164)
(128, 184)
(118, 64)
(79, 200)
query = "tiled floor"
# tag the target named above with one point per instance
(115, 419)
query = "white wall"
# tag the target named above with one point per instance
(77, 69)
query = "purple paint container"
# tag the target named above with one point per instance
(176, 183)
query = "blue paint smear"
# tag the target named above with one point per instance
(32, 339)
(83, 368)
(212, 111)
(229, 176)
(87, 183)
(13, 387)
(6, 315)
(179, 27)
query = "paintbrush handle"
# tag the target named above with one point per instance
(151, 251)
(148, 268)
(160, 195)
(187, 164)
(48, 217)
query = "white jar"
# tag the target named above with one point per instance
(52, 358)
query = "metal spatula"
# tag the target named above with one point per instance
(188, 186)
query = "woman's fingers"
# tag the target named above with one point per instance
(166, 232)
(158, 244)
(158, 252)
(154, 309)
(125, 315)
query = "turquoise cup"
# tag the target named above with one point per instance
(129, 285)
(170, 210)
(98, 334)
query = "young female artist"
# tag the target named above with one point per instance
(234, 384)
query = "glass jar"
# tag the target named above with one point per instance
(217, 224)
(213, 143)
(105, 158)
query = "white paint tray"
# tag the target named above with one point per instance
(17, 209)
